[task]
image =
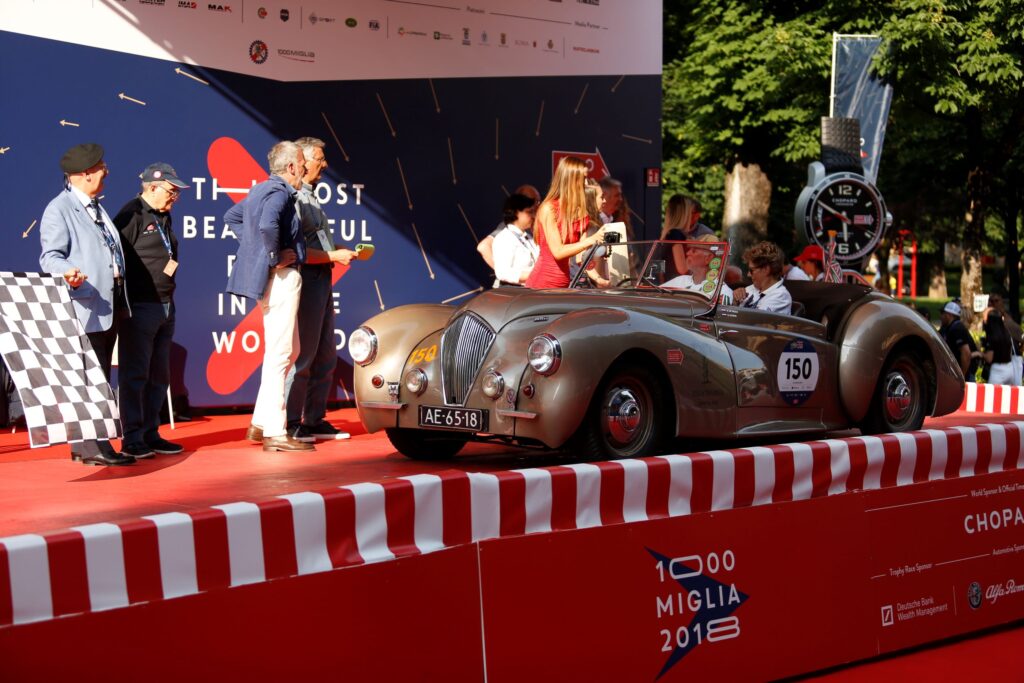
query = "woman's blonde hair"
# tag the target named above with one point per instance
(590, 189)
(679, 213)
(567, 188)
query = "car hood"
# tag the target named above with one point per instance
(501, 306)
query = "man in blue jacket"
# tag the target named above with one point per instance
(265, 269)
(80, 243)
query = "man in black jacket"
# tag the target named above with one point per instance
(151, 258)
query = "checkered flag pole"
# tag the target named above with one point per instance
(833, 272)
(63, 390)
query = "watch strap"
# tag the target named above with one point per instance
(840, 145)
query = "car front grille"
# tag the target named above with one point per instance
(463, 346)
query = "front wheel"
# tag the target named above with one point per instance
(625, 418)
(900, 399)
(425, 444)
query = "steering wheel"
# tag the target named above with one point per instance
(623, 281)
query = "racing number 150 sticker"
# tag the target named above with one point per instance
(797, 374)
(423, 354)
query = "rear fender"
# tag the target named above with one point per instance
(872, 331)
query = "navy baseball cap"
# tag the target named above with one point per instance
(162, 171)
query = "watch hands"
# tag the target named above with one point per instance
(832, 211)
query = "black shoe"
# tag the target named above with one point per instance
(285, 443)
(254, 433)
(301, 433)
(108, 459)
(165, 447)
(182, 417)
(135, 449)
(325, 431)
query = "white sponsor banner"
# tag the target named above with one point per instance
(363, 39)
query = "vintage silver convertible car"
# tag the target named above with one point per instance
(622, 371)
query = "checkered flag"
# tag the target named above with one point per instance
(63, 390)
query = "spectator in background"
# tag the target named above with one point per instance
(682, 222)
(486, 246)
(515, 252)
(998, 302)
(767, 293)
(998, 354)
(80, 243)
(151, 258)
(810, 264)
(562, 220)
(959, 340)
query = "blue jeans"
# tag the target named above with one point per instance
(143, 371)
(309, 382)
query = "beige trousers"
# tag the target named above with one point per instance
(280, 305)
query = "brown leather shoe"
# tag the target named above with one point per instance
(254, 434)
(285, 443)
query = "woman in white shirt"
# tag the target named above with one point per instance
(515, 252)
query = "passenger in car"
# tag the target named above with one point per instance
(697, 261)
(767, 293)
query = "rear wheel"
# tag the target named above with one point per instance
(625, 418)
(900, 399)
(424, 444)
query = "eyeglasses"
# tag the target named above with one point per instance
(172, 192)
(321, 160)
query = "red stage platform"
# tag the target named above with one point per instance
(505, 551)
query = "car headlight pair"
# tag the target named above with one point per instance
(544, 354)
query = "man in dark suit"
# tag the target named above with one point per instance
(151, 253)
(265, 269)
(80, 243)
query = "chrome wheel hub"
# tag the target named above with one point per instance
(624, 415)
(898, 397)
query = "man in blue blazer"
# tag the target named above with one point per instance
(265, 269)
(80, 243)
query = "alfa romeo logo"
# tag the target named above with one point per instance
(974, 595)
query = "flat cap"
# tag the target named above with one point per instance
(81, 157)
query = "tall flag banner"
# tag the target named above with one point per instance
(833, 272)
(63, 390)
(860, 94)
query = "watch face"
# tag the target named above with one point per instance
(849, 206)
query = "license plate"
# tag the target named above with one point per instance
(467, 419)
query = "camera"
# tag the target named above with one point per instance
(612, 238)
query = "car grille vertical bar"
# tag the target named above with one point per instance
(464, 345)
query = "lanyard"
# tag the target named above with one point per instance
(101, 225)
(163, 236)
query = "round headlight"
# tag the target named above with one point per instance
(416, 381)
(493, 384)
(362, 346)
(544, 354)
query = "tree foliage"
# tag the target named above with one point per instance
(748, 80)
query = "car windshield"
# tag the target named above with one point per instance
(677, 267)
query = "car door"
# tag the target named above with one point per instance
(784, 370)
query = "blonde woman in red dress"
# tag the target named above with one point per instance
(561, 223)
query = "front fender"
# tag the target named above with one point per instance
(592, 340)
(398, 331)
